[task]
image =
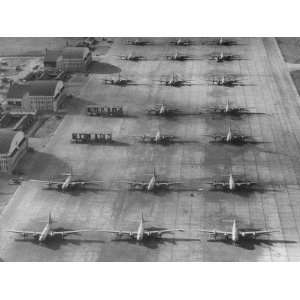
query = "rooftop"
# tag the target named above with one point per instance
(34, 88)
(75, 52)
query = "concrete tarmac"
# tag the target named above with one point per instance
(268, 88)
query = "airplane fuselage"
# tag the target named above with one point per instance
(151, 184)
(235, 232)
(45, 232)
(140, 231)
(66, 183)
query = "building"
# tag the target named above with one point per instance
(13, 146)
(70, 59)
(35, 96)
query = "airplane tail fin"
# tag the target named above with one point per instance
(154, 172)
(142, 217)
(50, 218)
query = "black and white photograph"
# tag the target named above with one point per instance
(150, 139)
(150, 149)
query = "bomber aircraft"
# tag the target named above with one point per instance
(132, 57)
(152, 185)
(231, 110)
(175, 82)
(158, 138)
(143, 233)
(236, 234)
(233, 139)
(138, 42)
(225, 81)
(181, 42)
(219, 58)
(162, 110)
(48, 232)
(67, 184)
(178, 57)
(232, 184)
(119, 81)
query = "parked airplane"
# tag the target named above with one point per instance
(48, 232)
(181, 42)
(226, 82)
(232, 184)
(162, 110)
(143, 233)
(175, 82)
(229, 110)
(131, 57)
(224, 57)
(234, 139)
(119, 81)
(152, 185)
(236, 234)
(138, 42)
(178, 57)
(158, 138)
(67, 184)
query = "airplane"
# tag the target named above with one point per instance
(181, 42)
(236, 234)
(224, 57)
(223, 42)
(48, 232)
(68, 184)
(226, 82)
(119, 81)
(131, 57)
(143, 233)
(232, 184)
(162, 110)
(228, 110)
(178, 57)
(175, 82)
(138, 42)
(152, 185)
(158, 138)
(231, 138)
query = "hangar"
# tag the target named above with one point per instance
(35, 96)
(13, 146)
(70, 59)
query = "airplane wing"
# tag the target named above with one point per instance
(136, 183)
(23, 232)
(168, 183)
(47, 181)
(257, 233)
(247, 183)
(69, 232)
(218, 183)
(160, 232)
(216, 232)
(86, 182)
(119, 232)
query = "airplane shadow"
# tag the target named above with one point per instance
(238, 144)
(102, 68)
(245, 192)
(170, 143)
(251, 244)
(226, 43)
(154, 243)
(111, 144)
(79, 191)
(55, 243)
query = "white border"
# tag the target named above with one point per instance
(146, 280)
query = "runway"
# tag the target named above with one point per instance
(268, 88)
